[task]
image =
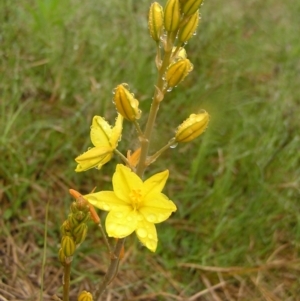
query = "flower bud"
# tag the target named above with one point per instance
(178, 71)
(82, 204)
(72, 220)
(68, 245)
(65, 227)
(73, 207)
(189, 7)
(80, 232)
(192, 127)
(180, 54)
(85, 296)
(155, 21)
(189, 28)
(172, 15)
(61, 257)
(126, 104)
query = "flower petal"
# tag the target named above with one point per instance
(157, 208)
(121, 223)
(94, 157)
(106, 200)
(146, 233)
(155, 183)
(124, 181)
(116, 131)
(101, 132)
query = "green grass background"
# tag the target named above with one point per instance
(236, 188)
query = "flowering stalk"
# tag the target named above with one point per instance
(135, 205)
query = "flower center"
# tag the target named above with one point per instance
(136, 198)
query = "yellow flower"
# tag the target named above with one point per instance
(105, 139)
(134, 205)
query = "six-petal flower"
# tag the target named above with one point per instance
(134, 205)
(105, 140)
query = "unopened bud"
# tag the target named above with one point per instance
(82, 204)
(72, 220)
(172, 15)
(80, 232)
(177, 72)
(126, 104)
(68, 245)
(180, 53)
(61, 257)
(192, 127)
(189, 7)
(85, 296)
(65, 227)
(155, 21)
(189, 28)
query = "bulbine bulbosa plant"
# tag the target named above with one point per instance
(135, 204)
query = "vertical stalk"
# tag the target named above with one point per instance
(112, 269)
(157, 98)
(66, 281)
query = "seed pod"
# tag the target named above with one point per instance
(126, 104)
(85, 296)
(192, 127)
(189, 7)
(189, 28)
(177, 72)
(68, 245)
(172, 15)
(155, 21)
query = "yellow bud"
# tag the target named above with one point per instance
(155, 21)
(80, 232)
(85, 296)
(172, 15)
(178, 71)
(189, 7)
(126, 104)
(61, 257)
(192, 127)
(68, 245)
(189, 28)
(180, 54)
(72, 220)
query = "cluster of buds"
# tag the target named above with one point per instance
(174, 26)
(74, 229)
(178, 16)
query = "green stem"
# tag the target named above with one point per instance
(122, 157)
(152, 158)
(158, 97)
(112, 270)
(105, 238)
(66, 281)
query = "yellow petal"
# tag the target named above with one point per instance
(146, 233)
(124, 181)
(116, 131)
(121, 223)
(101, 132)
(157, 208)
(106, 200)
(95, 157)
(156, 183)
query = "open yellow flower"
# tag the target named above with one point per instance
(105, 139)
(134, 205)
